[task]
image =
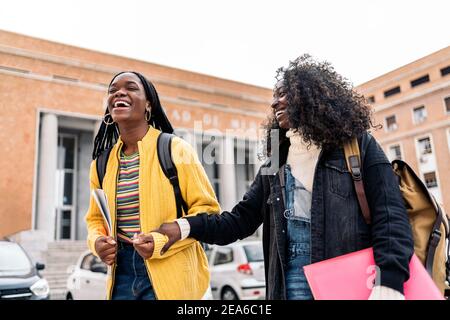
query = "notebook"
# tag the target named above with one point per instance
(102, 202)
(351, 277)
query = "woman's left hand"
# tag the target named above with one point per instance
(144, 245)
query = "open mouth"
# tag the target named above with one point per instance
(121, 104)
(280, 113)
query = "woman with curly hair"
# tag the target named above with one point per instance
(309, 207)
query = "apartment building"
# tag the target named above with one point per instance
(413, 105)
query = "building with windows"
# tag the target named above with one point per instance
(52, 98)
(413, 105)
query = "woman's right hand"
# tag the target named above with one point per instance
(106, 248)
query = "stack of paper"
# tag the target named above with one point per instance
(102, 202)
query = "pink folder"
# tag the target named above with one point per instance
(351, 276)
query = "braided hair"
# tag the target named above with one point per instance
(107, 135)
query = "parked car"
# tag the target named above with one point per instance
(19, 278)
(237, 271)
(87, 280)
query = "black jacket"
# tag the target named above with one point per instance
(337, 224)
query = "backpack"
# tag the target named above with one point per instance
(165, 161)
(429, 223)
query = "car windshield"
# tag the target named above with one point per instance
(13, 259)
(254, 253)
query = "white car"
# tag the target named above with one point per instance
(237, 271)
(87, 280)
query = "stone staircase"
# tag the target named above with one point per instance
(61, 255)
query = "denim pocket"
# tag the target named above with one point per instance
(299, 251)
(340, 179)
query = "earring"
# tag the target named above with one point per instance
(104, 119)
(149, 115)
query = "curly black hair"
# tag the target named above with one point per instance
(321, 105)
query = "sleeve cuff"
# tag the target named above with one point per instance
(160, 240)
(196, 226)
(185, 228)
(393, 280)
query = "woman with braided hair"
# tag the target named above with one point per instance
(140, 198)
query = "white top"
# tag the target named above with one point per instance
(302, 159)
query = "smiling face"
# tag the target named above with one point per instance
(279, 105)
(127, 102)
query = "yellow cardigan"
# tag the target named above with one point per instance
(182, 272)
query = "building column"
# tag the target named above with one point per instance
(48, 148)
(97, 124)
(227, 174)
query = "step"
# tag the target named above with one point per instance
(64, 253)
(52, 277)
(58, 294)
(57, 282)
(56, 258)
(59, 272)
(53, 245)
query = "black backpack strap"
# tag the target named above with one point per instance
(435, 237)
(170, 171)
(101, 162)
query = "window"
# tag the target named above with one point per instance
(395, 152)
(67, 179)
(445, 71)
(254, 252)
(244, 166)
(448, 139)
(419, 81)
(391, 123)
(87, 262)
(92, 263)
(392, 91)
(447, 104)
(98, 266)
(371, 99)
(430, 179)
(425, 146)
(420, 114)
(210, 162)
(223, 255)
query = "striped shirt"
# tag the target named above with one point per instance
(128, 197)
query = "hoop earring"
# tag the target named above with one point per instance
(104, 119)
(149, 116)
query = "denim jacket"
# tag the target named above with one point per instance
(337, 224)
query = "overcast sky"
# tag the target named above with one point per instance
(243, 40)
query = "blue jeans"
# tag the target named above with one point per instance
(298, 238)
(131, 278)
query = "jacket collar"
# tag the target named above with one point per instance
(151, 135)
